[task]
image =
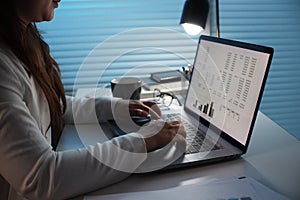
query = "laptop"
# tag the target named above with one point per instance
(221, 102)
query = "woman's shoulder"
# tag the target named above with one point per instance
(9, 62)
(6, 54)
(12, 72)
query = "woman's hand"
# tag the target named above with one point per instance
(169, 132)
(158, 133)
(144, 108)
(125, 109)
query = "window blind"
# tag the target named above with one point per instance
(97, 40)
(275, 23)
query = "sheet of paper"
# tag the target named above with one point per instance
(222, 189)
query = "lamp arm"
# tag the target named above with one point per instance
(217, 19)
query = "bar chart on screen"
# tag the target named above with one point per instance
(207, 108)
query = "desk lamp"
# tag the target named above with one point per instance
(194, 16)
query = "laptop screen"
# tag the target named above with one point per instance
(227, 83)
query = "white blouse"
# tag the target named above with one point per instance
(29, 168)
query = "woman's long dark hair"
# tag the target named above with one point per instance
(27, 44)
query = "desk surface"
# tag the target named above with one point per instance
(272, 158)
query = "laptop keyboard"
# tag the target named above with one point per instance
(196, 139)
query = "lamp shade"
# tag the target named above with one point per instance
(194, 16)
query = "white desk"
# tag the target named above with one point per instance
(273, 159)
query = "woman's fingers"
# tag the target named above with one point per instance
(139, 108)
(171, 131)
(138, 112)
(178, 128)
(181, 133)
(154, 107)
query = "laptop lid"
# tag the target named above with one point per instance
(226, 86)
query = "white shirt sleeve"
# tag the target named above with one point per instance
(89, 110)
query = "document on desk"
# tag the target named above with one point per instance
(232, 188)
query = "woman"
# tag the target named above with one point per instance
(34, 108)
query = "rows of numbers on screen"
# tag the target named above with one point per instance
(224, 83)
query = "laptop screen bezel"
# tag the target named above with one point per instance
(259, 48)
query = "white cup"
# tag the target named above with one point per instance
(126, 87)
